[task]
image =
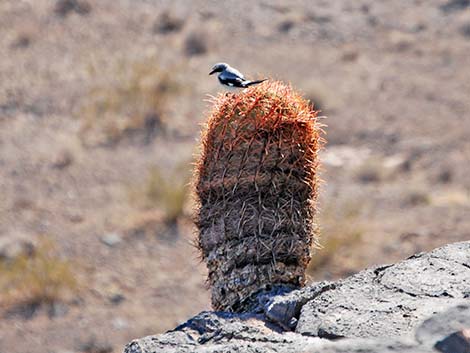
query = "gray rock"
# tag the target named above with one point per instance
(117, 298)
(390, 301)
(14, 245)
(223, 332)
(455, 5)
(284, 310)
(441, 325)
(64, 7)
(58, 310)
(458, 342)
(111, 239)
(379, 310)
(120, 324)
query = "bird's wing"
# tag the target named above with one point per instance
(235, 72)
(229, 78)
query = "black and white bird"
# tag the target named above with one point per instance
(231, 77)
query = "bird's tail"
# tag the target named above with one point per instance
(250, 83)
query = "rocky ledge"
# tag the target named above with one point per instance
(421, 304)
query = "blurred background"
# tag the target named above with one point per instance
(101, 106)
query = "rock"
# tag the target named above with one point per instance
(346, 156)
(458, 342)
(120, 323)
(75, 217)
(225, 332)
(390, 301)
(222, 332)
(441, 326)
(117, 298)
(455, 5)
(284, 310)
(14, 245)
(375, 311)
(111, 239)
(394, 162)
(401, 41)
(350, 54)
(65, 7)
(62, 160)
(285, 26)
(57, 309)
(22, 41)
(465, 30)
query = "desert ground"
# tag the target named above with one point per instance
(101, 108)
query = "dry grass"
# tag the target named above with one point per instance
(321, 96)
(340, 228)
(165, 191)
(38, 278)
(168, 23)
(371, 171)
(196, 43)
(417, 196)
(451, 197)
(168, 193)
(135, 105)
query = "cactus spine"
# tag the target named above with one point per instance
(256, 185)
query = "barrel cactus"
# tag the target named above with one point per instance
(256, 185)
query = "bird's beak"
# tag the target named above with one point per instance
(213, 71)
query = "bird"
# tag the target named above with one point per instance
(231, 77)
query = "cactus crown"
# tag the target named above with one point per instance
(256, 184)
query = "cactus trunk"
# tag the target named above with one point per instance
(256, 185)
